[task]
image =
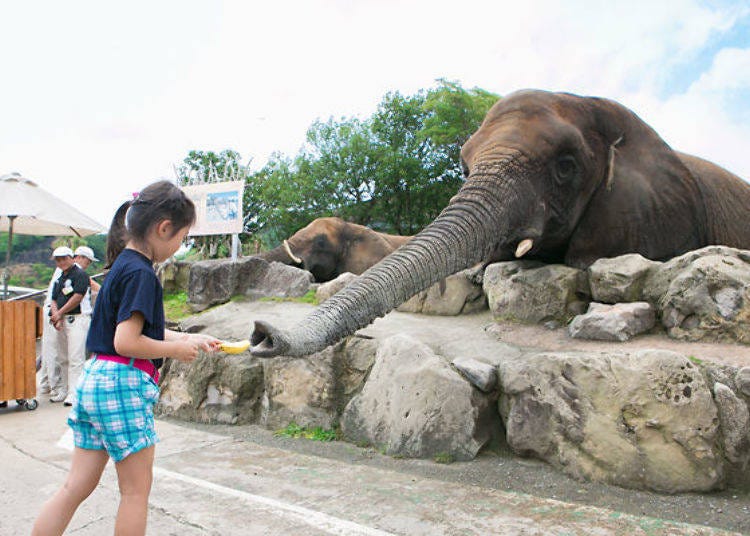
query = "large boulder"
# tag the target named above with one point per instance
(704, 294)
(531, 292)
(460, 293)
(175, 276)
(300, 391)
(642, 420)
(216, 281)
(620, 279)
(415, 405)
(329, 288)
(213, 389)
(618, 322)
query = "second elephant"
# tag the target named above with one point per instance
(328, 247)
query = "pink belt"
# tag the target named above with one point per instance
(141, 364)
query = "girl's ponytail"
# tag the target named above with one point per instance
(159, 201)
(117, 236)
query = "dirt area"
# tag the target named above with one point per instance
(497, 467)
(737, 355)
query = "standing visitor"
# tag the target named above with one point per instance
(72, 327)
(84, 256)
(113, 413)
(49, 380)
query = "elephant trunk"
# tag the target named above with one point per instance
(464, 234)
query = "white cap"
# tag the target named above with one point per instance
(62, 251)
(85, 251)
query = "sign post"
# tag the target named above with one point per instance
(219, 209)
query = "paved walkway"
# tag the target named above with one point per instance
(209, 484)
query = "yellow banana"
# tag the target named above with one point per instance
(235, 347)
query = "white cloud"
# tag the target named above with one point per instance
(730, 71)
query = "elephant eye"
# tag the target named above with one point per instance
(565, 168)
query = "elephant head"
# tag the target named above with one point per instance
(549, 176)
(328, 247)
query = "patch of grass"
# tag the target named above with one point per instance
(307, 298)
(695, 360)
(444, 457)
(176, 307)
(315, 434)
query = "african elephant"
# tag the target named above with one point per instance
(328, 247)
(549, 176)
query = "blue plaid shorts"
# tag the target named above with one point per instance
(114, 409)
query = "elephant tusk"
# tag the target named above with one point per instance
(523, 247)
(291, 255)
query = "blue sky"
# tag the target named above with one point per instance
(97, 99)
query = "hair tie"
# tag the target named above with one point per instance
(136, 195)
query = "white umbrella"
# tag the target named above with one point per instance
(25, 208)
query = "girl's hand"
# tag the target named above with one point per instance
(185, 350)
(207, 343)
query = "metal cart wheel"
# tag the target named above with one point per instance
(32, 404)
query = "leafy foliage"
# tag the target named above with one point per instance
(393, 171)
(316, 434)
(176, 307)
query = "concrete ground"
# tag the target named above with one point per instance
(220, 484)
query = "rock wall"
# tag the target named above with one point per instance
(651, 419)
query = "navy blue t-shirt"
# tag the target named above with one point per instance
(131, 285)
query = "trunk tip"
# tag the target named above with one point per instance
(267, 341)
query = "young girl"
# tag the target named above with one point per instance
(113, 413)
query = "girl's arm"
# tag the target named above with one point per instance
(130, 341)
(207, 342)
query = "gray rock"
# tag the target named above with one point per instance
(215, 388)
(526, 291)
(482, 375)
(300, 391)
(620, 279)
(659, 280)
(704, 295)
(460, 293)
(619, 322)
(734, 417)
(328, 289)
(174, 276)
(643, 420)
(743, 380)
(415, 405)
(216, 281)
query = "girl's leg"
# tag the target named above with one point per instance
(134, 475)
(85, 471)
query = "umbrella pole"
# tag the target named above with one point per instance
(6, 273)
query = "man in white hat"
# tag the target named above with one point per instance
(84, 256)
(72, 326)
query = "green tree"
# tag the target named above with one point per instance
(394, 171)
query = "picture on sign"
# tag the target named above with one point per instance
(222, 206)
(218, 207)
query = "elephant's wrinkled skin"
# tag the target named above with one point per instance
(328, 247)
(550, 176)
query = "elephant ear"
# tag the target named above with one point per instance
(646, 201)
